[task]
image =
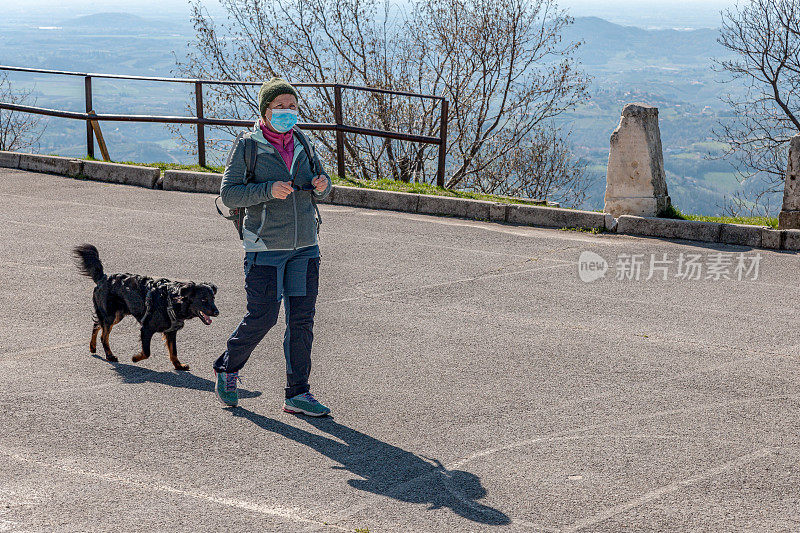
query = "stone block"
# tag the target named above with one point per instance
(771, 238)
(45, 163)
(352, 196)
(75, 168)
(789, 217)
(479, 209)
(375, 199)
(498, 212)
(554, 217)
(443, 205)
(118, 173)
(669, 228)
(9, 159)
(182, 180)
(741, 234)
(635, 179)
(791, 240)
(395, 200)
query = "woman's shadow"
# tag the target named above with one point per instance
(388, 470)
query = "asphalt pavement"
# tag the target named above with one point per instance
(477, 382)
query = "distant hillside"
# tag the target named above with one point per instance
(612, 45)
(124, 22)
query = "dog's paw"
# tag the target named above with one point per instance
(182, 367)
(138, 357)
(112, 358)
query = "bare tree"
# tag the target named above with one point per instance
(18, 131)
(503, 67)
(765, 37)
(541, 166)
(500, 63)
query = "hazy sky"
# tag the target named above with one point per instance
(672, 13)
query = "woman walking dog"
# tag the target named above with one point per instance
(279, 234)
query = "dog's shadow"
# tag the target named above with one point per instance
(186, 380)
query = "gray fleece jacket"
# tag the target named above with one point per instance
(272, 223)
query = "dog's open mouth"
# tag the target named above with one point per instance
(204, 317)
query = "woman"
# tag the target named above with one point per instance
(281, 247)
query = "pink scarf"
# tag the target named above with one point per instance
(283, 142)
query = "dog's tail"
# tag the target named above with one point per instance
(88, 261)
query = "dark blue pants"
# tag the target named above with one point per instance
(300, 276)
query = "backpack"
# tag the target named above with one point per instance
(236, 214)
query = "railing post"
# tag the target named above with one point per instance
(201, 131)
(87, 82)
(337, 115)
(442, 144)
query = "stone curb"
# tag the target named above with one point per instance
(771, 238)
(51, 164)
(466, 208)
(669, 228)
(449, 206)
(358, 197)
(120, 173)
(182, 180)
(554, 217)
(791, 239)
(48, 163)
(526, 214)
(741, 234)
(737, 234)
(9, 159)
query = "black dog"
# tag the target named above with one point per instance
(160, 305)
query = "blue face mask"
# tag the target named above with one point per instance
(283, 119)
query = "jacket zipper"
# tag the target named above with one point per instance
(294, 205)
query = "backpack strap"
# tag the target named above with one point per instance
(250, 157)
(316, 170)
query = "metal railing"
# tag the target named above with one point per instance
(200, 121)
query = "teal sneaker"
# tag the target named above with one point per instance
(225, 388)
(305, 403)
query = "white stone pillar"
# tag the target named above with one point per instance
(790, 214)
(635, 181)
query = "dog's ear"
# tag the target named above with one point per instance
(187, 290)
(213, 287)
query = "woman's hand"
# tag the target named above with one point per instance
(319, 183)
(282, 189)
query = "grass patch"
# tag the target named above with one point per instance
(584, 229)
(674, 212)
(165, 166)
(425, 188)
(771, 222)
